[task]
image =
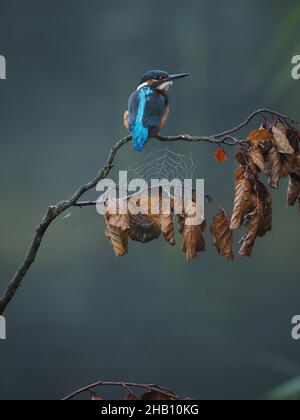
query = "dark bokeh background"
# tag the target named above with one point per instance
(207, 329)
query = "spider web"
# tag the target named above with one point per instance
(164, 164)
(159, 165)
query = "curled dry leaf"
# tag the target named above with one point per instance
(252, 222)
(259, 220)
(266, 147)
(264, 208)
(293, 189)
(297, 164)
(294, 183)
(280, 139)
(117, 226)
(222, 235)
(275, 167)
(193, 241)
(249, 169)
(252, 208)
(192, 227)
(240, 175)
(258, 159)
(118, 239)
(165, 221)
(143, 228)
(294, 137)
(287, 164)
(166, 225)
(243, 203)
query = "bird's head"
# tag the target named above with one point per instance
(160, 80)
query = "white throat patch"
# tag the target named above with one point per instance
(165, 86)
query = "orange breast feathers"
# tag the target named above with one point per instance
(164, 119)
(161, 125)
(126, 122)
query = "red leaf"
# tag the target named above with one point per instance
(220, 155)
(261, 134)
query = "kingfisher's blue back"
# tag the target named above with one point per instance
(146, 109)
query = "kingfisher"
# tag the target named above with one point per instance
(148, 106)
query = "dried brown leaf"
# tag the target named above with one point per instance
(181, 222)
(275, 167)
(193, 241)
(294, 137)
(166, 225)
(297, 164)
(243, 199)
(287, 164)
(116, 230)
(280, 139)
(266, 147)
(240, 175)
(118, 221)
(143, 228)
(259, 220)
(248, 167)
(264, 208)
(118, 239)
(258, 158)
(222, 235)
(252, 222)
(293, 189)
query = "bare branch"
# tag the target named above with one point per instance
(55, 211)
(127, 386)
(52, 213)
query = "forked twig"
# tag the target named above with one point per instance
(55, 211)
(128, 387)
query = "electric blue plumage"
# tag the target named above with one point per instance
(137, 105)
(148, 106)
(146, 109)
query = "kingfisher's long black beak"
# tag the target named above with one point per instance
(176, 76)
(170, 78)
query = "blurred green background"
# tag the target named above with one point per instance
(208, 329)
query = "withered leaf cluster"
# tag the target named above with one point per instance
(252, 206)
(275, 153)
(138, 227)
(148, 227)
(272, 151)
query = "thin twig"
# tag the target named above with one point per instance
(55, 211)
(52, 213)
(154, 388)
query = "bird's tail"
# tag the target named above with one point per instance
(140, 136)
